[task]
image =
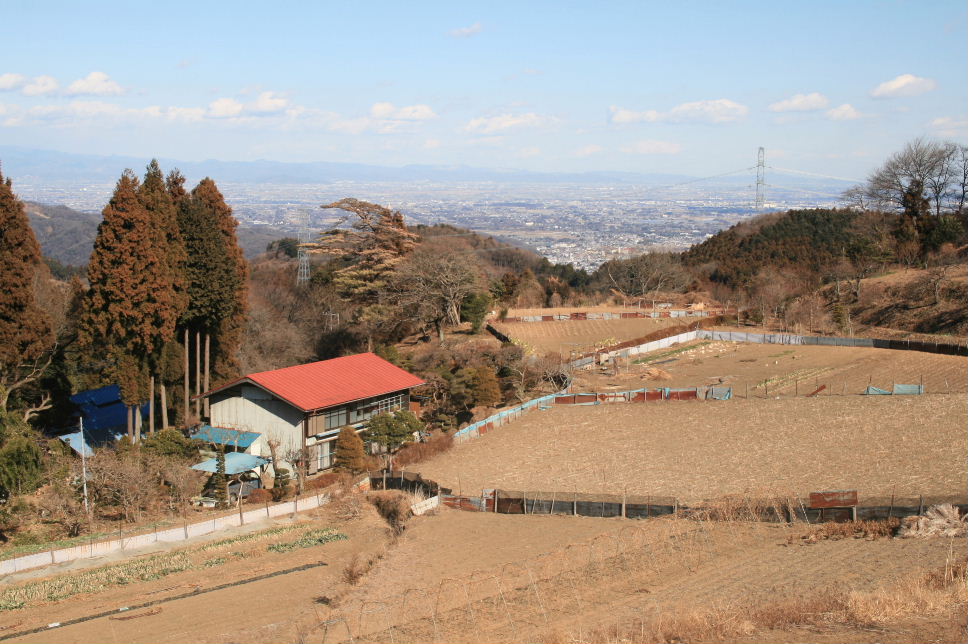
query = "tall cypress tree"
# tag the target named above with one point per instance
(228, 326)
(25, 330)
(130, 308)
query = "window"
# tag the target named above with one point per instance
(336, 418)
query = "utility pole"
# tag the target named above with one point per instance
(87, 508)
(760, 179)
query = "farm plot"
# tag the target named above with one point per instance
(581, 336)
(878, 445)
(780, 370)
(469, 577)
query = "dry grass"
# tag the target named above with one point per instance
(935, 593)
(393, 506)
(747, 507)
(940, 520)
(850, 530)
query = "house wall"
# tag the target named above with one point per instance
(251, 409)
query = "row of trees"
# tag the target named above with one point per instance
(166, 266)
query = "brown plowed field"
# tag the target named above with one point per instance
(471, 577)
(786, 370)
(582, 336)
(694, 450)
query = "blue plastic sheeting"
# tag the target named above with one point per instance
(102, 409)
(235, 463)
(719, 393)
(908, 390)
(874, 391)
(225, 436)
(77, 443)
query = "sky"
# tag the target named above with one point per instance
(690, 87)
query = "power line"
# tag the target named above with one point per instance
(814, 174)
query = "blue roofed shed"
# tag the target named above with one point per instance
(235, 463)
(226, 436)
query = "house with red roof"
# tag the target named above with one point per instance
(306, 406)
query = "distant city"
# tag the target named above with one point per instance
(583, 223)
(580, 224)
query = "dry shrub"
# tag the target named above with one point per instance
(259, 495)
(851, 530)
(325, 480)
(738, 507)
(393, 506)
(411, 453)
(939, 521)
(347, 507)
(355, 569)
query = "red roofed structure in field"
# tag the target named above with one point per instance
(305, 406)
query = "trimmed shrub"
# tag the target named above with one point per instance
(259, 495)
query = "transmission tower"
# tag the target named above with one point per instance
(760, 179)
(302, 274)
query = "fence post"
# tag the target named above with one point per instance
(624, 496)
(574, 505)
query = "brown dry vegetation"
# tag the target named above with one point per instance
(581, 336)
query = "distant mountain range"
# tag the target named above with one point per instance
(25, 164)
(39, 166)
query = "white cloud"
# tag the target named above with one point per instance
(389, 111)
(950, 127)
(652, 147)
(41, 85)
(11, 81)
(489, 124)
(589, 150)
(903, 85)
(225, 108)
(527, 153)
(801, 103)
(431, 144)
(269, 103)
(467, 32)
(95, 84)
(845, 112)
(720, 110)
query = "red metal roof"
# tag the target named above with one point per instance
(332, 382)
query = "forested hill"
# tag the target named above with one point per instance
(67, 235)
(808, 241)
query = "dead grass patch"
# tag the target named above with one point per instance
(934, 593)
(393, 506)
(850, 530)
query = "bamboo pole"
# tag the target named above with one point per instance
(187, 388)
(208, 346)
(198, 372)
(164, 405)
(151, 406)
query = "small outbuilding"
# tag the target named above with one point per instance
(305, 406)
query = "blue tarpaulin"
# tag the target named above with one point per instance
(76, 443)
(225, 436)
(874, 391)
(235, 463)
(908, 390)
(719, 393)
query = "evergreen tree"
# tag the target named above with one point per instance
(350, 455)
(25, 330)
(220, 481)
(487, 390)
(371, 247)
(131, 307)
(393, 430)
(218, 275)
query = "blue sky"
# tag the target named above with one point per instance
(684, 87)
